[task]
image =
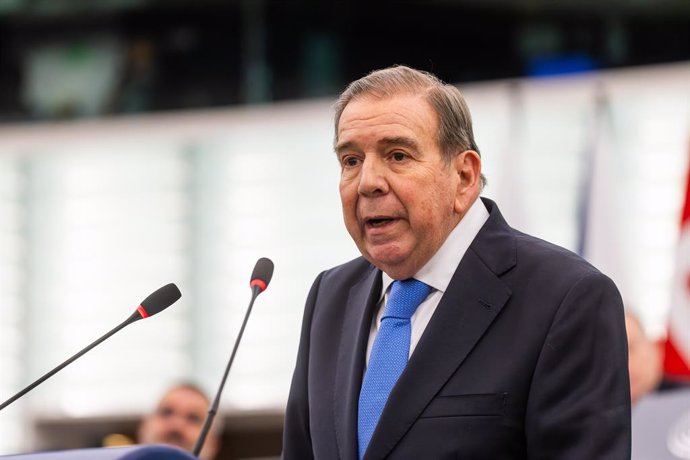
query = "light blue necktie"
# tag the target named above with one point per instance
(389, 355)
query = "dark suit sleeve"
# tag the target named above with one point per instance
(296, 434)
(579, 402)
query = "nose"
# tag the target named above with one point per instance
(372, 178)
(176, 422)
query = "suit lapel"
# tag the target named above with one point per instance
(475, 296)
(359, 312)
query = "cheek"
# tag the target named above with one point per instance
(348, 201)
(193, 430)
(432, 205)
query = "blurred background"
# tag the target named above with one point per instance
(146, 142)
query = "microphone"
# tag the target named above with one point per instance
(155, 303)
(261, 276)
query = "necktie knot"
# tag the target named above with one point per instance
(405, 297)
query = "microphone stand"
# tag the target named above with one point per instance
(57, 369)
(256, 290)
(156, 302)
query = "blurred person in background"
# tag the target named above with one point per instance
(645, 362)
(178, 419)
(644, 359)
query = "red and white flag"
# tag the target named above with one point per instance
(677, 346)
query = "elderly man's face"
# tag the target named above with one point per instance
(400, 198)
(177, 421)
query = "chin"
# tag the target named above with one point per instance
(385, 259)
(180, 444)
(395, 268)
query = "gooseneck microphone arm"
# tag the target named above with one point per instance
(61, 366)
(263, 271)
(154, 303)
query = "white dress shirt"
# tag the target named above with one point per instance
(437, 273)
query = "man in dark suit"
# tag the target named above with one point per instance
(516, 347)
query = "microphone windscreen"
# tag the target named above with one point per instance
(263, 271)
(160, 299)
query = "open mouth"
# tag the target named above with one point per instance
(379, 221)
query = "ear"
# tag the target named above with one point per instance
(468, 167)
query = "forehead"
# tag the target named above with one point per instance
(183, 397)
(400, 114)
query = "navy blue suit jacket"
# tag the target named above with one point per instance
(524, 358)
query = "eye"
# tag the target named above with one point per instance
(165, 412)
(194, 419)
(399, 156)
(349, 161)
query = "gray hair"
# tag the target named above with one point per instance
(455, 122)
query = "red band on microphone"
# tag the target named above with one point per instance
(258, 282)
(142, 312)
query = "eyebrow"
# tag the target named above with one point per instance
(343, 146)
(399, 141)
